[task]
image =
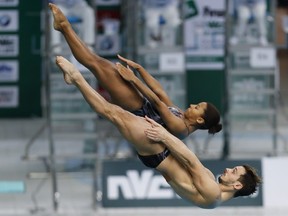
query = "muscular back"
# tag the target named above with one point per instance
(182, 182)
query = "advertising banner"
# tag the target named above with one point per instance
(9, 71)
(130, 184)
(9, 20)
(9, 45)
(204, 24)
(9, 96)
(9, 3)
(20, 59)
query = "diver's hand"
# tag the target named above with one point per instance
(126, 73)
(130, 63)
(156, 132)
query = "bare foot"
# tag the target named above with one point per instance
(59, 18)
(70, 72)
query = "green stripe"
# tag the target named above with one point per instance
(191, 59)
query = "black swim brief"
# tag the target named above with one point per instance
(153, 161)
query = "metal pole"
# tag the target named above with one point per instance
(129, 9)
(226, 125)
(96, 187)
(276, 85)
(273, 6)
(47, 71)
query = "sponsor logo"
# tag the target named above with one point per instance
(135, 185)
(9, 20)
(6, 41)
(8, 96)
(190, 9)
(8, 71)
(5, 68)
(207, 11)
(9, 45)
(5, 20)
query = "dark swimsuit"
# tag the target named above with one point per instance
(153, 161)
(149, 110)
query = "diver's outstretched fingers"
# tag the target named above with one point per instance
(129, 62)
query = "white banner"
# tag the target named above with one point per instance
(9, 45)
(9, 20)
(9, 96)
(172, 62)
(9, 71)
(263, 57)
(204, 32)
(9, 3)
(275, 178)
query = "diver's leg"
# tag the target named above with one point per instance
(122, 93)
(131, 127)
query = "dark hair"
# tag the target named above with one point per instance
(211, 118)
(250, 181)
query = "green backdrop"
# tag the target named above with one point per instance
(206, 85)
(29, 58)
